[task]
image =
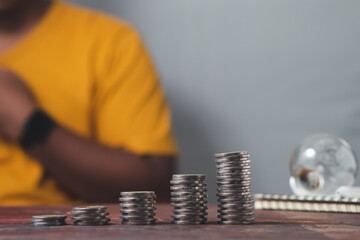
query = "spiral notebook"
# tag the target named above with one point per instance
(307, 203)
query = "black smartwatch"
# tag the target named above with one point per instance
(36, 130)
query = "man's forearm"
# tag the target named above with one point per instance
(98, 173)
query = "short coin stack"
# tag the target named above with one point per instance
(48, 220)
(138, 208)
(233, 175)
(188, 197)
(90, 215)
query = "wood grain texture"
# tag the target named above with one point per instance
(14, 224)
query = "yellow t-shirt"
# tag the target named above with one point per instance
(93, 75)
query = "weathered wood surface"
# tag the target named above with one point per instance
(14, 224)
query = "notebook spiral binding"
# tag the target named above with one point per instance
(336, 204)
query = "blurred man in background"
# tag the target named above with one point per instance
(82, 114)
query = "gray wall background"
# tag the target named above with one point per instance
(252, 75)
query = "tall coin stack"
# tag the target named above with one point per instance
(233, 175)
(138, 208)
(188, 197)
(90, 215)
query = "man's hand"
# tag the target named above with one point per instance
(16, 105)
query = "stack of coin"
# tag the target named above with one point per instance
(188, 197)
(48, 220)
(233, 175)
(90, 215)
(138, 208)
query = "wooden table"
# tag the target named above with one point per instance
(14, 224)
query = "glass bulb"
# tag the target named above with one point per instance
(321, 164)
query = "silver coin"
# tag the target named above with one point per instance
(49, 220)
(190, 210)
(87, 218)
(233, 161)
(138, 208)
(225, 154)
(191, 206)
(136, 200)
(178, 187)
(49, 217)
(235, 167)
(137, 217)
(189, 203)
(235, 202)
(234, 194)
(189, 196)
(230, 182)
(188, 222)
(188, 218)
(190, 190)
(239, 181)
(129, 210)
(193, 218)
(181, 193)
(89, 208)
(221, 185)
(243, 177)
(242, 164)
(233, 190)
(237, 170)
(138, 194)
(188, 176)
(240, 199)
(90, 214)
(233, 187)
(232, 158)
(228, 185)
(187, 193)
(241, 214)
(187, 188)
(49, 223)
(239, 195)
(187, 183)
(236, 210)
(98, 214)
(80, 223)
(233, 183)
(137, 213)
(180, 214)
(198, 217)
(233, 171)
(234, 175)
(189, 199)
(234, 205)
(223, 165)
(100, 220)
